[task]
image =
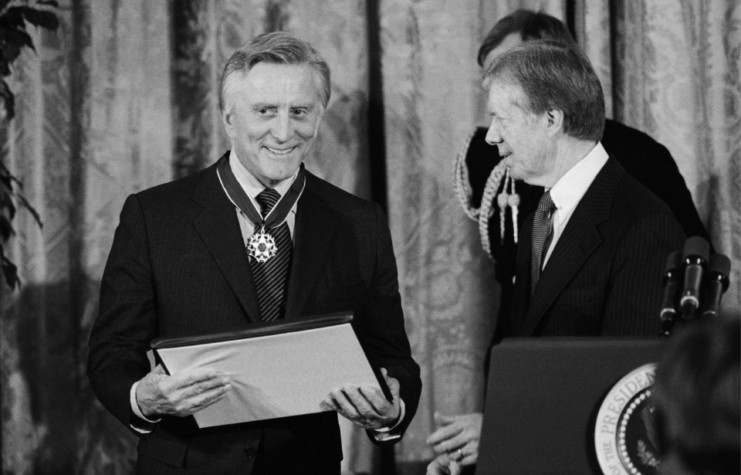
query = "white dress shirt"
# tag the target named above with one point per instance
(253, 187)
(570, 188)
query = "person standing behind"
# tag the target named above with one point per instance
(590, 259)
(697, 396)
(643, 158)
(253, 238)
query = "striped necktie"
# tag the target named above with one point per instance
(542, 230)
(271, 277)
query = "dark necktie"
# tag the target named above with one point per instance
(271, 277)
(542, 229)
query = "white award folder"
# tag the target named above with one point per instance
(277, 370)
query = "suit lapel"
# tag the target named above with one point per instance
(578, 241)
(218, 226)
(316, 224)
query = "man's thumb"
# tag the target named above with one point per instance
(441, 419)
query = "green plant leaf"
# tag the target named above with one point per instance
(7, 183)
(6, 228)
(10, 271)
(4, 67)
(8, 100)
(42, 18)
(24, 203)
(7, 204)
(13, 42)
(12, 20)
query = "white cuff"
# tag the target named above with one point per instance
(135, 409)
(385, 433)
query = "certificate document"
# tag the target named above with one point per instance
(277, 370)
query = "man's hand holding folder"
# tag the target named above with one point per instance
(271, 371)
(367, 406)
(181, 394)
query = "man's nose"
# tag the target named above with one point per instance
(282, 128)
(492, 136)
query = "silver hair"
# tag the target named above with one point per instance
(277, 48)
(557, 76)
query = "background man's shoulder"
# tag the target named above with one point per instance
(635, 205)
(340, 200)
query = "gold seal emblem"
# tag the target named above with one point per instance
(624, 432)
(261, 246)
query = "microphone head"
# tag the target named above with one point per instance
(673, 262)
(720, 265)
(697, 246)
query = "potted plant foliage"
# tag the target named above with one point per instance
(15, 17)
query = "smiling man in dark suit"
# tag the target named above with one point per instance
(590, 258)
(253, 238)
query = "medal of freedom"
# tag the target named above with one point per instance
(261, 246)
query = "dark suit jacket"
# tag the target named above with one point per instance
(642, 157)
(178, 267)
(604, 274)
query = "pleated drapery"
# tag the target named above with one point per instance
(123, 97)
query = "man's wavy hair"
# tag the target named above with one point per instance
(554, 76)
(276, 48)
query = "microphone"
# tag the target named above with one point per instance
(696, 253)
(717, 282)
(672, 276)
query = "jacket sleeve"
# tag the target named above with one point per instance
(382, 325)
(126, 322)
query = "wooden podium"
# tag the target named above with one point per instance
(543, 398)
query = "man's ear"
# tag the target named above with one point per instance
(228, 117)
(554, 119)
(319, 120)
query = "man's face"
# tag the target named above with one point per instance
(520, 136)
(272, 116)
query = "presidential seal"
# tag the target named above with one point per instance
(624, 432)
(261, 246)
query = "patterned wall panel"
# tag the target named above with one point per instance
(676, 78)
(594, 34)
(93, 125)
(432, 96)
(197, 65)
(338, 30)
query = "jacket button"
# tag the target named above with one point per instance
(250, 452)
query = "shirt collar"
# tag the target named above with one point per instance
(568, 191)
(250, 183)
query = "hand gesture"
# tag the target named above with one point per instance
(180, 394)
(366, 406)
(458, 437)
(443, 465)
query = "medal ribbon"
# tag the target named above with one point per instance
(236, 193)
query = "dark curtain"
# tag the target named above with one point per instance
(123, 97)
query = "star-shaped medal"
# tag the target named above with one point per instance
(261, 246)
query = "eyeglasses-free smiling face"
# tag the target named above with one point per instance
(519, 134)
(272, 118)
